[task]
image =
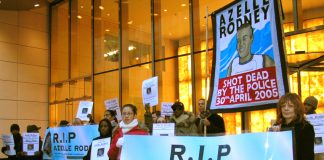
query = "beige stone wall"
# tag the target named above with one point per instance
(23, 69)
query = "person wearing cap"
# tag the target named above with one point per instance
(184, 121)
(38, 154)
(15, 131)
(310, 104)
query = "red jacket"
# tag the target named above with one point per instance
(114, 151)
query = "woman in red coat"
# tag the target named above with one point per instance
(128, 126)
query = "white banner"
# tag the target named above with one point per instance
(150, 91)
(249, 146)
(30, 143)
(317, 120)
(9, 143)
(163, 129)
(85, 108)
(166, 109)
(99, 149)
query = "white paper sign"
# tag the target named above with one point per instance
(8, 142)
(99, 149)
(150, 91)
(85, 108)
(113, 104)
(317, 120)
(163, 129)
(30, 143)
(166, 109)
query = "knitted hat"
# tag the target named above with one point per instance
(311, 101)
(177, 105)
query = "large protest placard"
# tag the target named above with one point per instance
(99, 149)
(249, 146)
(113, 104)
(85, 108)
(72, 142)
(249, 66)
(9, 143)
(317, 120)
(150, 92)
(30, 143)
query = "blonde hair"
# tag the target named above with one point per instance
(299, 108)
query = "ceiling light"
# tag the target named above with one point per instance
(155, 14)
(105, 41)
(183, 5)
(130, 22)
(165, 10)
(108, 14)
(79, 17)
(36, 5)
(130, 48)
(107, 30)
(101, 7)
(137, 58)
(81, 6)
(185, 18)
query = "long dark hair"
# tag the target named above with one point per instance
(110, 128)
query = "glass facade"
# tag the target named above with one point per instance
(104, 49)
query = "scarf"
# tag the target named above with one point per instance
(127, 127)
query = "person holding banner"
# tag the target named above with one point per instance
(184, 121)
(38, 155)
(128, 126)
(105, 130)
(291, 115)
(213, 122)
(246, 61)
(15, 129)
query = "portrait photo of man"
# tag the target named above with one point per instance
(247, 61)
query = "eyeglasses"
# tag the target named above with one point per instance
(127, 114)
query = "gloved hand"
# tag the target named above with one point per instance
(120, 142)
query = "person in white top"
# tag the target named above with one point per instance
(247, 61)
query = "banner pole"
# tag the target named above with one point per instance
(206, 72)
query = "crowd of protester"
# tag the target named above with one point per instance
(290, 114)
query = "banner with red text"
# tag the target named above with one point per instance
(249, 67)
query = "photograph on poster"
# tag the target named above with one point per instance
(249, 61)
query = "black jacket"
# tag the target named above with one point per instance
(304, 138)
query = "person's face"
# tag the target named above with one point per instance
(127, 115)
(201, 104)
(288, 112)
(15, 131)
(154, 117)
(160, 120)
(307, 108)
(104, 128)
(244, 41)
(108, 116)
(177, 112)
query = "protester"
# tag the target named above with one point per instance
(111, 116)
(91, 119)
(77, 122)
(213, 122)
(64, 123)
(291, 115)
(14, 129)
(38, 155)
(310, 104)
(184, 121)
(105, 129)
(128, 126)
